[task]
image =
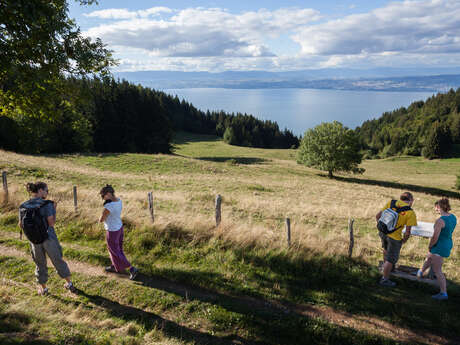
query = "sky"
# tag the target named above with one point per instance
(269, 35)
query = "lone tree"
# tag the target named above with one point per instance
(330, 147)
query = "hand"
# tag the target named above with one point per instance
(55, 204)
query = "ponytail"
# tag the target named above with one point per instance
(35, 187)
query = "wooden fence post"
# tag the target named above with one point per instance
(288, 229)
(218, 209)
(75, 200)
(150, 198)
(352, 238)
(5, 187)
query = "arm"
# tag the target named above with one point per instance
(406, 234)
(51, 221)
(104, 215)
(378, 215)
(437, 230)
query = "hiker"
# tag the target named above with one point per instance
(390, 221)
(440, 246)
(37, 217)
(111, 217)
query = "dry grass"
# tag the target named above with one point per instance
(256, 200)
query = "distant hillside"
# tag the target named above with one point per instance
(335, 79)
(430, 128)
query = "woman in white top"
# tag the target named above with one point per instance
(111, 217)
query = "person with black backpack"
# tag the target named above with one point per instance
(37, 217)
(391, 221)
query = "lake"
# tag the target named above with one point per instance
(300, 109)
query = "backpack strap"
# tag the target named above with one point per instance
(393, 204)
(403, 209)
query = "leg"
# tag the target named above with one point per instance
(426, 264)
(115, 247)
(41, 268)
(437, 268)
(54, 251)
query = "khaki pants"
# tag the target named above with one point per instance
(52, 248)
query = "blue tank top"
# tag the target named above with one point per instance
(445, 244)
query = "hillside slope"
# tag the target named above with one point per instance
(238, 283)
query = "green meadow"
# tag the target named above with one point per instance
(238, 283)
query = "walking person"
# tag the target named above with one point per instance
(37, 218)
(111, 217)
(440, 245)
(390, 221)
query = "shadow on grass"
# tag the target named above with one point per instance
(234, 160)
(349, 286)
(13, 330)
(271, 321)
(152, 321)
(405, 186)
(184, 138)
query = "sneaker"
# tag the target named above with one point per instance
(419, 274)
(387, 282)
(43, 292)
(133, 271)
(70, 287)
(440, 296)
(110, 269)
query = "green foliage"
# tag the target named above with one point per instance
(457, 184)
(330, 147)
(438, 142)
(40, 44)
(431, 126)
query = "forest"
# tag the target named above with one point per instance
(106, 115)
(430, 128)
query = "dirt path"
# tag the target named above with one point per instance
(368, 324)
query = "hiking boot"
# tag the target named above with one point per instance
(440, 296)
(387, 282)
(133, 271)
(70, 287)
(43, 292)
(110, 269)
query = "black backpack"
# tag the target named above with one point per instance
(34, 225)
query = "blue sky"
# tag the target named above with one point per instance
(274, 35)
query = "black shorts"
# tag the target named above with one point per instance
(392, 247)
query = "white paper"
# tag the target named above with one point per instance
(423, 229)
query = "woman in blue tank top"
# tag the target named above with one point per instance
(440, 245)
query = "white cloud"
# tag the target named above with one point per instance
(123, 13)
(199, 32)
(408, 26)
(403, 33)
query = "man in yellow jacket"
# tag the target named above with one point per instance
(393, 241)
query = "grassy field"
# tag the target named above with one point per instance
(238, 283)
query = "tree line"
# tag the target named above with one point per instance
(105, 115)
(430, 128)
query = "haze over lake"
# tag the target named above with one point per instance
(300, 109)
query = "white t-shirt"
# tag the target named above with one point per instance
(113, 221)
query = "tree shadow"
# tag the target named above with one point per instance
(13, 330)
(257, 309)
(234, 160)
(184, 138)
(397, 185)
(152, 321)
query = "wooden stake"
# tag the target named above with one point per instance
(5, 187)
(218, 209)
(288, 229)
(75, 199)
(150, 198)
(352, 238)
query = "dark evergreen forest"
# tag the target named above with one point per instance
(430, 128)
(105, 115)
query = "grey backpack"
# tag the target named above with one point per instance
(389, 218)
